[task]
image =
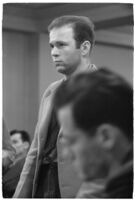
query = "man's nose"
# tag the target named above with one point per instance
(55, 52)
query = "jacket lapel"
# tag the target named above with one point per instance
(46, 115)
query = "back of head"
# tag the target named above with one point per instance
(96, 98)
(82, 26)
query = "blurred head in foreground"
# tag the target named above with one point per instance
(95, 111)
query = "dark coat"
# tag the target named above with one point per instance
(11, 177)
(121, 185)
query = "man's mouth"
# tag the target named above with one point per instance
(58, 63)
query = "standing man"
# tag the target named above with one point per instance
(46, 174)
(96, 116)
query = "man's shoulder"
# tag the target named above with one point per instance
(55, 84)
(52, 88)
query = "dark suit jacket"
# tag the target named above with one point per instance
(11, 177)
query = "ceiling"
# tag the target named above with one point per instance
(109, 17)
(49, 10)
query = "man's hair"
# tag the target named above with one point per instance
(96, 98)
(24, 135)
(83, 28)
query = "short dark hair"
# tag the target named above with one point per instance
(96, 98)
(82, 26)
(24, 134)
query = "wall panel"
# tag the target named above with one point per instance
(20, 80)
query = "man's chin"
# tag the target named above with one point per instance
(61, 69)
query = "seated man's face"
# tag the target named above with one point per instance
(88, 156)
(18, 143)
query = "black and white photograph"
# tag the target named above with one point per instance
(67, 100)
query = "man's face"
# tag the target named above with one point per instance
(18, 143)
(64, 53)
(89, 158)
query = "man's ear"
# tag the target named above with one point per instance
(85, 48)
(107, 135)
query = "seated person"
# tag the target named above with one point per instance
(8, 152)
(20, 140)
(95, 111)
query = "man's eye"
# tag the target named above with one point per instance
(51, 46)
(61, 45)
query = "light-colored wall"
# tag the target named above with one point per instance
(20, 80)
(117, 59)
